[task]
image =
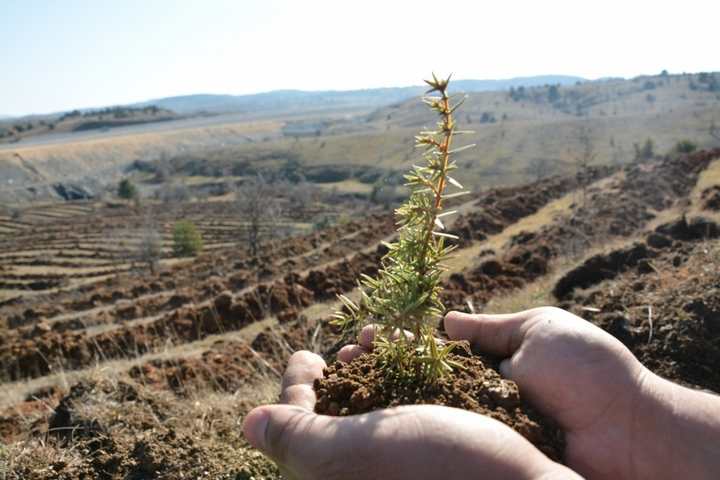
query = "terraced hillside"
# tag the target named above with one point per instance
(150, 371)
(65, 246)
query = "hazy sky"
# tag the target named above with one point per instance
(62, 54)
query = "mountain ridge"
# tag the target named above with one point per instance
(293, 98)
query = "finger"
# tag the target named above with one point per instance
(303, 368)
(302, 396)
(297, 382)
(367, 336)
(495, 334)
(350, 352)
(506, 368)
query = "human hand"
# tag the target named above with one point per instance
(610, 407)
(415, 442)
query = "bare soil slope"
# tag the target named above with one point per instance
(151, 372)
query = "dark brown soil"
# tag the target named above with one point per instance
(711, 198)
(666, 307)
(361, 387)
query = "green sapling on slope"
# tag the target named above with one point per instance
(405, 294)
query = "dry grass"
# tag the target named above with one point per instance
(467, 257)
(348, 186)
(535, 294)
(539, 292)
(51, 270)
(708, 178)
(15, 392)
(197, 436)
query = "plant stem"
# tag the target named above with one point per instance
(445, 150)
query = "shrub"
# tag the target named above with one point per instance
(126, 189)
(187, 240)
(685, 146)
(646, 152)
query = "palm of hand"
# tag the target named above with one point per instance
(572, 371)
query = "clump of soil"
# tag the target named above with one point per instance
(361, 386)
(711, 198)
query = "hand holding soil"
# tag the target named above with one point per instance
(620, 420)
(418, 442)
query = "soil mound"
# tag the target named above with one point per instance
(361, 387)
(226, 367)
(607, 266)
(501, 207)
(669, 313)
(711, 198)
(598, 268)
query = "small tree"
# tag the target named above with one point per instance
(685, 146)
(300, 196)
(584, 159)
(553, 93)
(149, 249)
(258, 205)
(187, 240)
(126, 189)
(646, 152)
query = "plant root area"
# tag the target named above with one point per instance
(361, 386)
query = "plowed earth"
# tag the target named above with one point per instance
(195, 355)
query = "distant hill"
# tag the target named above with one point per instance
(5, 117)
(522, 132)
(299, 100)
(13, 130)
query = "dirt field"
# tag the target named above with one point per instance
(110, 371)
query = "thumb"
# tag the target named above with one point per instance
(495, 334)
(284, 432)
(506, 368)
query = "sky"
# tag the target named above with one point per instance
(59, 55)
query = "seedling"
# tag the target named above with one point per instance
(405, 295)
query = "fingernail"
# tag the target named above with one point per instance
(255, 426)
(505, 368)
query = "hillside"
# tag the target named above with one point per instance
(19, 129)
(523, 134)
(150, 370)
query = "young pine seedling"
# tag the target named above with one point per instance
(405, 294)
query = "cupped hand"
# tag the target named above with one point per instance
(569, 369)
(415, 442)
